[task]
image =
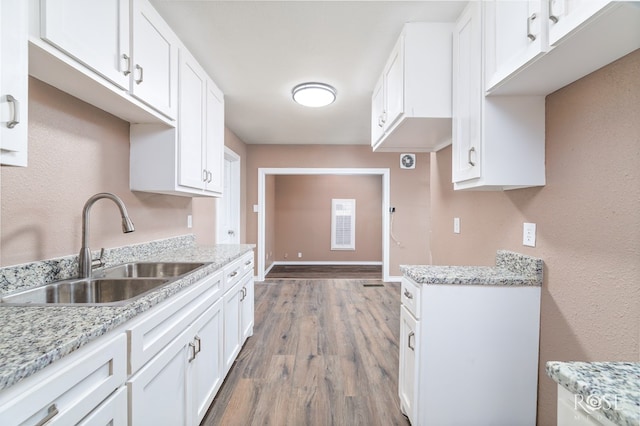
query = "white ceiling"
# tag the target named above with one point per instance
(256, 51)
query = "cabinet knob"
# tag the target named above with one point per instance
(16, 112)
(127, 69)
(530, 19)
(471, 163)
(408, 295)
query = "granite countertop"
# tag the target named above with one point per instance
(32, 337)
(618, 383)
(512, 269)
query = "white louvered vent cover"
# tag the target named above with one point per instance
(343, 224)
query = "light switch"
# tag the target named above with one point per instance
(189, 221)
(456, 225)
(529, 234)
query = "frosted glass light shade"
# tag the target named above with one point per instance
(314, 94)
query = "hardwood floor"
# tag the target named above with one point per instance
(324, 352)
(326, 271)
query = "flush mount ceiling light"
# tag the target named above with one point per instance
(314, 94)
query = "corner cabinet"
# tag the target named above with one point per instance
(188, 159)
(411, 103)
(13, 83)
(456, 371)
(120, 56)
(498, 141)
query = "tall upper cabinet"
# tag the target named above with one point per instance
(122, 55)
(498, 141)
(13, 82)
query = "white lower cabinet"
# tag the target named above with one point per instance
(69, 390)
(112, 412)
(232, 325)
(469, 354)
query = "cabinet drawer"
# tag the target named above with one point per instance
(410, 296)
(68, 390)
(236, 270)
(153, 331)
(112, 412)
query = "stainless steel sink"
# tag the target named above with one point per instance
(115, 285)
(149, 270)
(85, 291)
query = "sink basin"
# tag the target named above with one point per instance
(85, 291)
(150, 270)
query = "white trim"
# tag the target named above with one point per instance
(327, 262)
(264, 171)
(236, 167)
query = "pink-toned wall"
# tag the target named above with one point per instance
(409, 191)
(270, 219)
(75, 151)
(588, 223)
(303, 217)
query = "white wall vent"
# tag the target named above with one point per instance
(343, 224)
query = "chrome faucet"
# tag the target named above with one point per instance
(85, 261)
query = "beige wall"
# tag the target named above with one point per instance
(409, 191)
(75, 151)
(588, 223)
(303, 217)
(270, 220)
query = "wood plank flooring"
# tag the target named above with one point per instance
(324, 352)
(326, 271)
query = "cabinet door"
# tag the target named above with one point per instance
(247, 299)
(207, 370)
(95, 33)
(232, 325)
(408, 377)
(157, 393)
(191, 130)
(565, 16)
(467, 95)
(515, 35)
(377, 113)
(13, 82)
(394, 85)
(154, 59)
(214, 139)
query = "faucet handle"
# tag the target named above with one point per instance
(98, 263)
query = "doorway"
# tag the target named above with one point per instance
(261, 207)
(228, 206)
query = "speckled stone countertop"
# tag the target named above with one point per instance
(32, 337)
(512, 269)
(616, 382)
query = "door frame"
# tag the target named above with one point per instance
(235, 193)
(262, 174)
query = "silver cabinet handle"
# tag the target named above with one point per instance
(408, 295)
(380, 121)
(16, 112)
(552, 17)
(471, 163)
(52, 411)
(192, 347)
(204, 175)
(127, 70)
(530, 19)
(247, 263)
(243, 294)
(210, 177)
(233, 274)
(141, 78)
(199, 342)
(412, 347)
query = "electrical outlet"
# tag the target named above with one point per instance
(456, 225)
(189, 221)
(299, 254)
(529, 234)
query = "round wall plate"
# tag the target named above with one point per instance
(407, 161)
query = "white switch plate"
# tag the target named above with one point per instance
(255, 208)
(529, 234)
(189, 221)
(456, 225)
(299, 254)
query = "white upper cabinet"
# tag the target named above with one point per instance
(118, 55)
(13, 83)
(411, 104)
(537, 47)
(187, 160)
(498, 141)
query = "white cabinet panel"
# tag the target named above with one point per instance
(232, 332)
(247, 308)
(566, 16)
(408, 376)
(112, 412)
(94, 33)
(214, 144)
(13, 83)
